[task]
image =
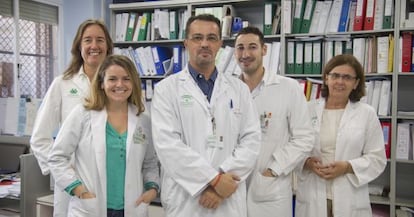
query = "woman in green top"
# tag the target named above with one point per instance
(115, 171)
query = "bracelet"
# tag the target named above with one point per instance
(217, 181)
(82, 193)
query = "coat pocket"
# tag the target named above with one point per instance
(83, 207)
(263, 188)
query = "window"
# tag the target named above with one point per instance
(36, 45)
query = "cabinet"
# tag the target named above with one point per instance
(397, 177)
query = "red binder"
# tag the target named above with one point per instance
(406, 51)
(360, 15)
(386, 129)
(369, 15)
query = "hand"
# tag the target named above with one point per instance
(268, 173)
(335, 169)
(314, 164)
(227, 184)
(210, 199)
(147, 197)
(87, 195)
(81, 192)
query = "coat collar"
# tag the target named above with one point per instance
(81, 80)
(349, 112)
(221, 85)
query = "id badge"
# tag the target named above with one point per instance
(214, 141)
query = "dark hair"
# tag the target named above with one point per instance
(77, 61)
(252, 30)
(97, 96)
(202, 17)
(350, 60)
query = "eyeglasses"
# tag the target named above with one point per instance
(200, 38)
(345, 77)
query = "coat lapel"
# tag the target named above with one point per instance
(98, 120)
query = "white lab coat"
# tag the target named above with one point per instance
(83, 133)
(183, 118)
(287, 139)
(359, 141)
(61, 97)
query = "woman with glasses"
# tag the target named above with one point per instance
(349, 146)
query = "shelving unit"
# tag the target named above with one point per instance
(398, 175)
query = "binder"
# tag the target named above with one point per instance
(143, 60)
(267, 24)
(303, 84)
(334, 16)
(308, 89)
(290, 60)
(403, 141)
(276, 19)
(307, 16)
(131, 26)
(266, 58)
(275, 57)
(324, 17)
(376, 94)
(149, 59)
(358, 49)
(177, 58)
(124, 26)
(287, 17)
(338, 48)
(298, 69)
(382, 54)
(317, 11)
(315, 91)
(379, 14)
(160, 54)
(386, 130)
(136, 60)
(142, 35)
(351, 15)
(343, 20)
(369, 15)
(173, 25)
(149, 91)
(360, 15)
(406, 51)
(298, 15)
(136, 28)
(348, 47)
(391, 53)
(328, 50)
(307, 65)
(385, 98)
(317, 57)
(388, 9)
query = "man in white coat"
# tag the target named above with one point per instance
(285, 123)
(206, 132)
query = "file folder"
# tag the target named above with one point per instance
(298, 57)
(307, 16)
(360, 15)
(290, 60)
